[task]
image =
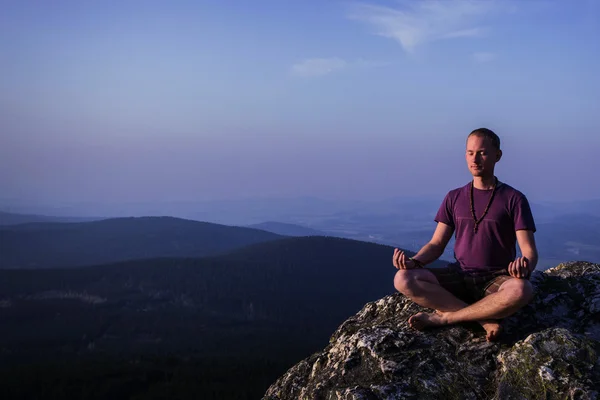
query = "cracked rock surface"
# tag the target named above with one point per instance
(549, 350)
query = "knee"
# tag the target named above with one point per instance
(521, 289)
(404, 281)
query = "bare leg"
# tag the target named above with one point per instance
(422, 287)
(512, 295)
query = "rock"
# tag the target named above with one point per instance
(553, 363)
(550, 350)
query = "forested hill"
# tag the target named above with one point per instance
(7, 218)
(44, 245)
(219, 327)
(312, 282)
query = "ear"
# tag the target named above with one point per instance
(498, 155)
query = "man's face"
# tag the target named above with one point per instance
(481, 156)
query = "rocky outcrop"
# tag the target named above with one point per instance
(550, 350)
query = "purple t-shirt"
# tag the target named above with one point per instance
(493, 246)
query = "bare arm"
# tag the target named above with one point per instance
(528, 248)
(436, 246)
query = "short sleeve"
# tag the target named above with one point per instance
(445, 213)
(522, 216)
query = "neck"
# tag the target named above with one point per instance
(484, 182)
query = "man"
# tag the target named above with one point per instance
(487, 282)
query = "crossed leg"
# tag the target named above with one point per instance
(422, 287)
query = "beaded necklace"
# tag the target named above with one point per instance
(477, 221)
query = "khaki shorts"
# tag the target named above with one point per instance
(467, 286)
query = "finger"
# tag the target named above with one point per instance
(514, 272)
(510, 269)
(394, 258)
(523, 267)
(524, 272)
(397, 259)
(402, 260)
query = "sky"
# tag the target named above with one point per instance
(124, 101)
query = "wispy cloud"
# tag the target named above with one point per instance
(318, 66)
(483, 57)
(314, 67)
(416, 22)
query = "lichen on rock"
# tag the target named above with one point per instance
(552, 363)
(550, 350)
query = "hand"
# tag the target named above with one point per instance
(519, 268)
(401, 261)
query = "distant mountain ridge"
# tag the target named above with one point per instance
(8, 218)
(48, 244)
(287, 229)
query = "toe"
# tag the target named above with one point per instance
(493, 335)
(413, 319)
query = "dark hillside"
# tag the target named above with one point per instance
(216, 328)
(44, 245)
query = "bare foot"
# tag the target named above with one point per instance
(493, 330)
(422, 321)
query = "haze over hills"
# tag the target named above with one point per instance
(43, 245)
(572, 236)
(300, 210)
(227, 211)
(564, 229)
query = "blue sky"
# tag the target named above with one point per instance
(194, 100)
